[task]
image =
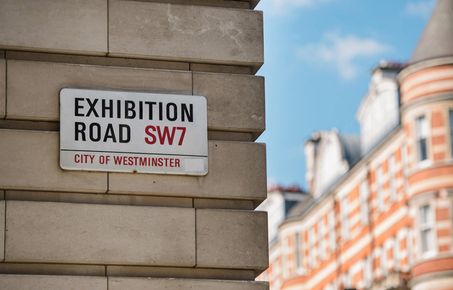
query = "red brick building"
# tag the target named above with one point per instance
(380, 214)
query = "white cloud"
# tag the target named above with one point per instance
(342, 52)
(282, 6)
(421, 9)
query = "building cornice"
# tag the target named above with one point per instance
(417, 66)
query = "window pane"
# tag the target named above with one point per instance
(423, 149)
(425, 240)
(425, 228)
(424, 214)
(421, 128)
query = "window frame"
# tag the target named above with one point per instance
(419, 137)
(423, 226)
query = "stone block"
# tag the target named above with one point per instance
(52, 269)
(217, 68)
(69, 26)
(97, 60)
(34, 87)
(52, 232)
(47, 282)
(117, 199)
(117, 283)
(2, 230)
(185, 32)
(29, 161)
(237, 170)
(232, 136)
(29, 125)
(223, 203)
(216, 3)
(2, 88)
(185, 273)
(232, 239)
(236, 102)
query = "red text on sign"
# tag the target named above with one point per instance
(164, 135)
(83, 158)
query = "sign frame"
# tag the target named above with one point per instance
(133, 131)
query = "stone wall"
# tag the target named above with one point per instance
(99, 230)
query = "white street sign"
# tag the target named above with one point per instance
(133, 132)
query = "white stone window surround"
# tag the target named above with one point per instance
(321, 239)
(389, 245)
(450, 131)
(450, 196)
(379, 189)
(420, 204)
(300, 269)
(347, 279)
(285, 252)
(364, 194)
(384, 260)
(392, 178)
(404, 160)
(410, 247)
(368, 271)
(312, 250)
(330, 286)
(332, 235)
(345, 227)
(397, 253)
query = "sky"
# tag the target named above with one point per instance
(318, 58)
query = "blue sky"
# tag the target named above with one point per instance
(318, 58)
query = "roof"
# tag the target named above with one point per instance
(282, 188)
(351, 148)
(300, 208)
(389, 65)
(437, 38)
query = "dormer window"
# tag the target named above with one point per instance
(421, 131)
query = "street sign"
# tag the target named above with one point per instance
(122, 131)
